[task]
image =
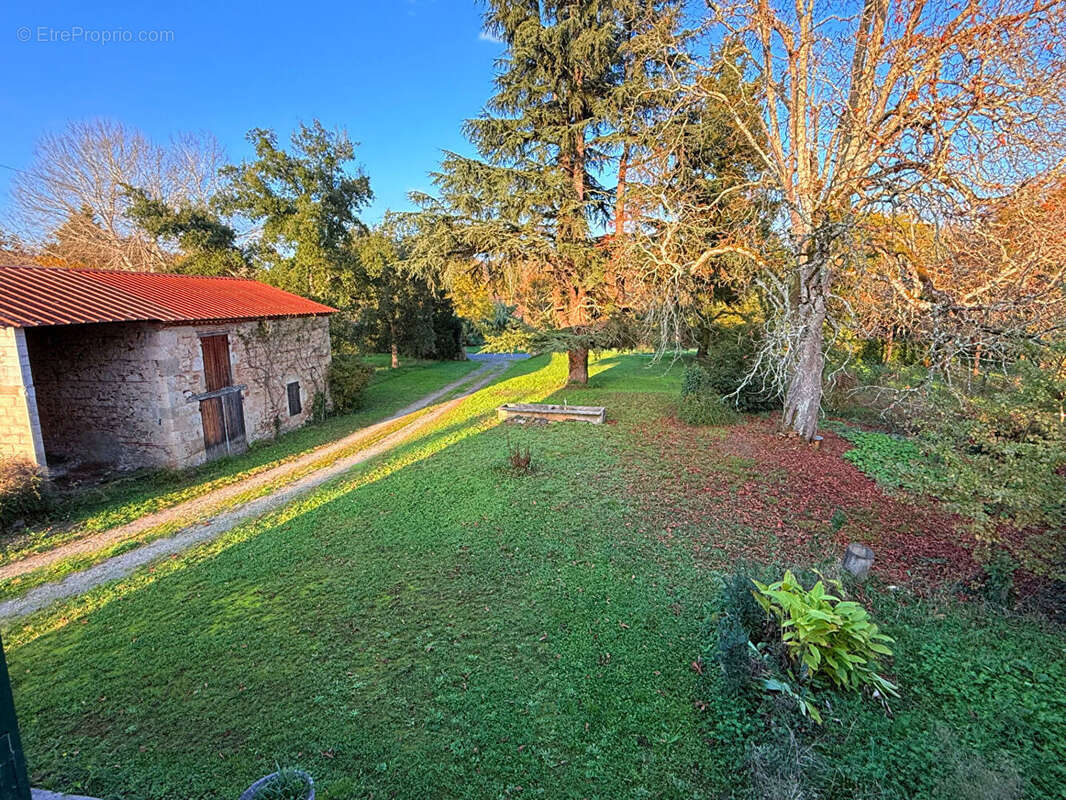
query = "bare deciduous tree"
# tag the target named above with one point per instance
(973, 290)
(940, 115)
(14, 251)
(75, 186)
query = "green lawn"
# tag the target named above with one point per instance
(90, 510)
(433, 626)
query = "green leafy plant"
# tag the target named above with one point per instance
(831, 641)
(993, 450)
(795, 692)
(998, 584)
(1003, 452)
(348, 379)
(990, 444)
(746, 647)
(891, 460)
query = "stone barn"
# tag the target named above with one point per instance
(121, 370)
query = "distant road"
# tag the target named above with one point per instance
(495, 357)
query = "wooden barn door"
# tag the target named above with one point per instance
(221, 407)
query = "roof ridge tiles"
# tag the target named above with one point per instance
(105, 271)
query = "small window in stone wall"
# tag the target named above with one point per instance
(295, 406)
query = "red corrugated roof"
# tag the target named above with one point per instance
(32, 296)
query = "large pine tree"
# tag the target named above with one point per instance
(525, 213)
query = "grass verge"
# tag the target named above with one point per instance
(90, 510)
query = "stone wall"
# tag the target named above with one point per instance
(20, 429)
(265, 356)
(124, 394)
(100, 396)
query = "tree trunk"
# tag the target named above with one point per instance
(703, 344)
(803, 401)
(578, 359)
(574, 229)
(620, 194)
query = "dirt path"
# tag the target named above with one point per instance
(210, 526)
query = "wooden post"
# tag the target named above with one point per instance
(858, 559)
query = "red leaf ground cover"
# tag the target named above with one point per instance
(745, 492)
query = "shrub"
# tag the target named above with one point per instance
(1003, 449)
(705, 410)
(696, 380)
(998, 584)
(831, 641)
(738, 601)
(735, 629)
(993, 449)
(734, 653)
(700, 403)
(348, 379)
(727, 365)
(20, 490)
(748, 652)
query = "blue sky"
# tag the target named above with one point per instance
(399, 76)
